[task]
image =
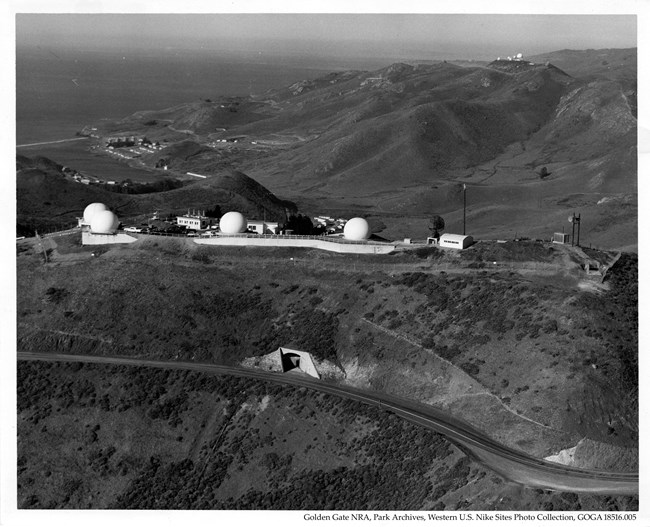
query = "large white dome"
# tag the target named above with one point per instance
(91, 210)
(104, 222)
(356, 229)
(233, 223)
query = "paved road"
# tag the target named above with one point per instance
(52, 142)
(512, 464)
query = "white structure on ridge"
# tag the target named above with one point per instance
(356, 229)
(99, 227)
(455, 241)
(233, 223)
(89, 213)
(104, 222)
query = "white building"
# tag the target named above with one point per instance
(560, 237)
(455, 241)
(263, 227)
(194, 221)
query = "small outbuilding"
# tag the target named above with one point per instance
(560, 237)
(263, 227)
(455, 241)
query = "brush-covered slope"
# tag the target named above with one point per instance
(190, 440)
(45, 196)
(230, 189)
(532, 351)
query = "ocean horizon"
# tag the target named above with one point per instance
(59, 91)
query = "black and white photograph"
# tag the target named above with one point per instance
(347, 264)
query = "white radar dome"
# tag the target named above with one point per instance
(91, 210)
(233, 223)
(104, 222)
(356, 229)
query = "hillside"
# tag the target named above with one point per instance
(556, 366)
(614, 64)
(199, 441)
(401, 141)
(48, 198)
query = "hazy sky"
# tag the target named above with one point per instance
(454, 36)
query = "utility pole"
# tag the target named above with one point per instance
(464, 205)
(575, 220)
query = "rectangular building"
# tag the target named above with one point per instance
(196, 222)
(560, 237)
(263, 227)
(455, 241)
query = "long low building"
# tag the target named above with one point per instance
(338, 245)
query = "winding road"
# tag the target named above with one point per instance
(512, 464)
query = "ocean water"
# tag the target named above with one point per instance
(58, 91)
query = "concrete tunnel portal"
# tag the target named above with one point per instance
(297, 360)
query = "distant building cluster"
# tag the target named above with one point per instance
(331, 225)
(517, 57)
(78, 177)
(132, 140)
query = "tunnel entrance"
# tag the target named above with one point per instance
(297, 360)
(290, 361)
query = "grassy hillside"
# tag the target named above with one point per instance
(46, 197)
(92, 436)
(618, 64)
(522, 348)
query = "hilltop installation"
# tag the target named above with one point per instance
(100, 226)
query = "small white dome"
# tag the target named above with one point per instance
(104, 222)
(356, 229)
(91, 210)
(233, 223)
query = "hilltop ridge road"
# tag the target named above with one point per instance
(512, 464)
